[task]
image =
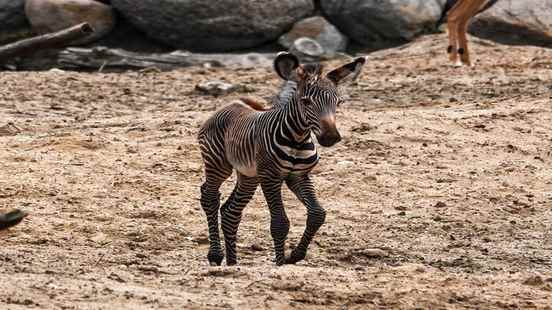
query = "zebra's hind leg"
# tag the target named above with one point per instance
(210, 202)
(231, 213)
(303, 188)
(279, 222)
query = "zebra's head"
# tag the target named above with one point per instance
(317, 93)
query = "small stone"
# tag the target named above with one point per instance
(56, 70)
(373, 253)
(10, 129)
(363, 128)
(100, 238)
(286, 285)
(345, 163)
(201, 240)
(257, 247)
(216, 88)
(148, 268)
(534, 280)
(419, 268)
(440, 204)
(116, 277)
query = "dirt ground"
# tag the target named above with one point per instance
(439, 195)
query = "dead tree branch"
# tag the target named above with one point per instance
(46, 41)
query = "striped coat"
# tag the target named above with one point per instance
(269, 148)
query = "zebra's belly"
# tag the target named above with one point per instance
(249, 170)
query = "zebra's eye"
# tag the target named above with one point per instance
(306, 101)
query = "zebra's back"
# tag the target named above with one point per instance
(230, 136)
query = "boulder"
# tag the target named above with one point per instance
(516, 22)
(13, 23)
(372, 22)
(126, 36)
(307, 49)
(318, 29)
(52, 15)
(221, 25)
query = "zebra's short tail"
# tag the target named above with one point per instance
(11, 218)
(255, 105)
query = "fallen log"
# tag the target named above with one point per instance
(46, 41)
(103, 57)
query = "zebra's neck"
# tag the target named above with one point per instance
(293, 125)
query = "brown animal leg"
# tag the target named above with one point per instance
(453, 41)
(463, 49)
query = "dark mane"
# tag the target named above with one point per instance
(313, 68)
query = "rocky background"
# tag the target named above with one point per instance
(438, 197)
(319, 28)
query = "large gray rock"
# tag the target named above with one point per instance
(12, 19)
(369, 22)
(318, 29)
(220, 25)
(48, 16)
(307, 49)
(516, 22)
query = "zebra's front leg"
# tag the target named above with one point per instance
(279, 222)
(303, 188)
(231, 213)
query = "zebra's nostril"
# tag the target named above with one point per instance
(328, 140)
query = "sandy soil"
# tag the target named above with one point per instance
(439, 196)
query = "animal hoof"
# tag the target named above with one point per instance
(215, 259)
(280, 262)
(291, 261)
(294, 258)
(457, 64)
(231, 262)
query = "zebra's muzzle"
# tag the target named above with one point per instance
(329, 138)
(329, 135)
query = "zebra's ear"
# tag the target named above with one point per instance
(348, 72)
(285, 65)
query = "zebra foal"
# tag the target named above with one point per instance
(271, 148)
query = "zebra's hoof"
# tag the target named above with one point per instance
(231, 262)
(280, 262)
(215, 259)
(294, 258)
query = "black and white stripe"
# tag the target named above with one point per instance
(270, 148)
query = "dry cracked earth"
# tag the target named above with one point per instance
(438, 197)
